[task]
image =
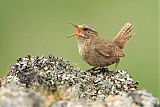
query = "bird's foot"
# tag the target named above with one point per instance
(104, 69)
(107, 72)
(94, 69)
(99, 70)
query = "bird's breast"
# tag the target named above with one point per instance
(84, 49)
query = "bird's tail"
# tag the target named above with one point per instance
(124, 35)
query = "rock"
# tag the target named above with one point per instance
(52, 73)
(132, 99)
(19, 97)
(139, 98)
(59, 104)
(62, 85)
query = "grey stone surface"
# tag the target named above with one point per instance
(51, 73)
(69, 86)
(15, 96)
(139, 98)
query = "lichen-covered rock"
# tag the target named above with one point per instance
(15, 96)
(131, 99)
(99, 86)
(51, 73)
(139, 98)
(63, 85)
(48, 73)
(77, 104)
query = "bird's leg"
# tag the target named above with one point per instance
(94, 69)
(114, 69)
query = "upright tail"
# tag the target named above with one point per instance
(123, 35)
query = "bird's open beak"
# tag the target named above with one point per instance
(78, 28)
(73, 25)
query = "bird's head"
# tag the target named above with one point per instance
(84, 31)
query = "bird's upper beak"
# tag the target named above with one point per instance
(78, 28)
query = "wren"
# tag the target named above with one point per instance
(97, 51)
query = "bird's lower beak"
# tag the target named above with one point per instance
(77, 34)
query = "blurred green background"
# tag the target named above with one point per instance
(39, 27)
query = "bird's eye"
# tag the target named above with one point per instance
(85, 29)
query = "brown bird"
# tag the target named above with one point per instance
(99, 52)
